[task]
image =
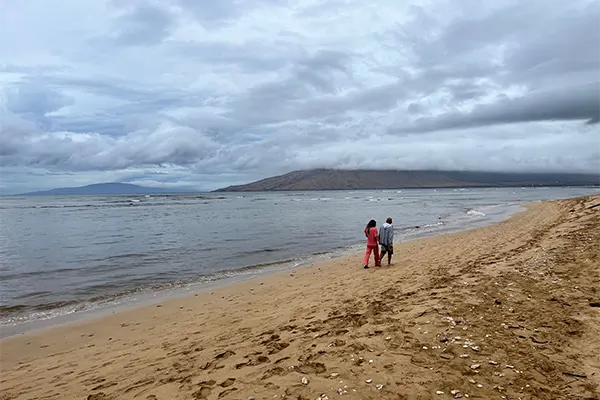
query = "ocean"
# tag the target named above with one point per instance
(72, 255)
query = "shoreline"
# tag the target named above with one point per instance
(152, 296)
(513, 297)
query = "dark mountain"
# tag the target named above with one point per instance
(103, 189)
(332, 179)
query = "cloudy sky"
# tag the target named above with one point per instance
(204, 93)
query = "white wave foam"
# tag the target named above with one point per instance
(475, 213)
(439, 223)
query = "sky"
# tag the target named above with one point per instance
(202, 94)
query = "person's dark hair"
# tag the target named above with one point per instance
(372, 224)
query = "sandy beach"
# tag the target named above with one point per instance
(508, 311)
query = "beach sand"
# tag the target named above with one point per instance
(506, 310)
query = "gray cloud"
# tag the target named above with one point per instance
(296, 95)
(210, 93)
(143, 25)
(516, 45)
(211, 14)
(34, 99)
(250, 56)
(574, 103)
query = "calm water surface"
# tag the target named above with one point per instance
(61, 255)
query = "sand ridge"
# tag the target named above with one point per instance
(496, 312)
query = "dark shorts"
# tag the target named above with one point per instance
(387, 249)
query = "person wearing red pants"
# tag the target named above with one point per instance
(372, 244)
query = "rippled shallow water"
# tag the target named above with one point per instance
(61, 255)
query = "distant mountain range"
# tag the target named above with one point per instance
(332, 179)
(112, 188)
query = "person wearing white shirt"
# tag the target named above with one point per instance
(386, 240)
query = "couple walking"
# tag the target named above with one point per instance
(383, 237)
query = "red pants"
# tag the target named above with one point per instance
(370, 249)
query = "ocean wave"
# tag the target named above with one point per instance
(259, 251)
(434, 225)
(37, 307)
(5, 277)
(417, 228)
(119, 201)
(475, 213)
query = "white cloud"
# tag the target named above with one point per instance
(204, 94)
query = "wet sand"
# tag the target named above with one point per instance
(507, 310)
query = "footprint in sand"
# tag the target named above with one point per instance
(225, 355)
(287, 327)
(203, 393)
(275, 371)
(227, 382)
(312, 368)
(99, 396)
(93, 381)
(242, 365)
(226, 392)
(139, 384)
(275, 348)
(105, 385)
(271, 386)
(214, 364)
(252, 362)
